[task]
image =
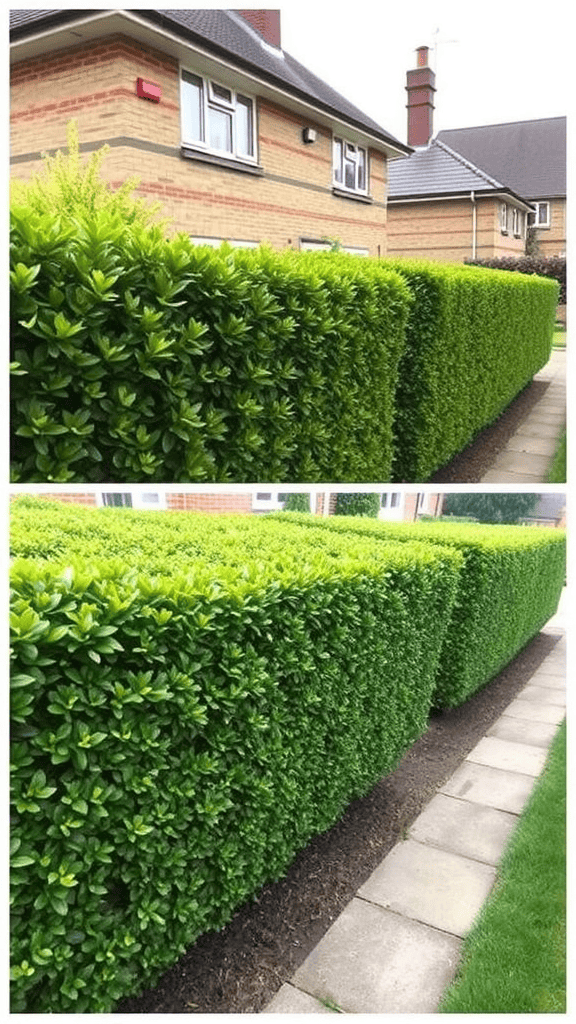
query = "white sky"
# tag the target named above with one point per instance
(495, 61)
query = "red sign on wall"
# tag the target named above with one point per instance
(148, 90)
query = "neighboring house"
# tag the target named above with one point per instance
(236, 139)
(394, 505)
(473, 192)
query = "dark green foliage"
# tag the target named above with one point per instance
(490, 507)
(475, 339)
(297, 503)
(140, 358)
(357, 505)
(544, 266)
(509, 587)
(192, 698)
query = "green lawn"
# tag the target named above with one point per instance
(514, 959)
(559, 339)
(557, 471)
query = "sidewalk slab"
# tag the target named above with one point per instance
(532, 445)
(518, 730)
(512, 757)
(543, 694)
(432, 886)
(289, 999)
(459, 826)
(374, 961)
(535, 712)
(518, 462)
(491, 787)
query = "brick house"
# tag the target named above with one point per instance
(236, 139)
(394, 505)
(473, 192)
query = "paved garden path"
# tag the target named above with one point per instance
(529, 452)
(396, 945)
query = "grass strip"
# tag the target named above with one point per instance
(514, 959)
(557, 471)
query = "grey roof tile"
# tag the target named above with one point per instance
(529, 156)
(436, 170)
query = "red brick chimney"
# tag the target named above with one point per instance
(420, 88)
(267, 23)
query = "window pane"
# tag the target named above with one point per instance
(192, 130)
(260, 496)
(117, 500)
(244, 133)
(338, 160)
(220, 93)
(543, 213)
(395, 501)
(350, 174)
(220, 129)
(362, 168)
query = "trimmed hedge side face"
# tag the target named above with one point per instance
(193, 698)
(140, 358)
(475, 339)
(137, 358)
(509, 587)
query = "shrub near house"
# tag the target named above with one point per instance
(193, 697)
(509, 586)
(140, 358)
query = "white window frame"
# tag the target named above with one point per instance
(236, 243)
(516, 222)
(139, 498)
(268, 501)
(349, 151)
(211, 101)
(320, 245)
(534, 218)
(504, 218)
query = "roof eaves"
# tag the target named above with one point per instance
(157, 17)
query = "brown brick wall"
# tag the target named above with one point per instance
(74, 499)
(216, 502)
(552, 240)
(442, 230)
(96, 86)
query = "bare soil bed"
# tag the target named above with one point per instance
(239, 969)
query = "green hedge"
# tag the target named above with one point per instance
(509, 587)
(193, 698)
(543, 266)
(141, 358)
(475, 339)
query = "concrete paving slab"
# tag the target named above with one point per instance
(540, 428)
(544, 694)
(374, 961)
(550, 675)
(512, 757)
(532, 445)
(535, 712)
(433, 886)
(459, 826)
(519, 462)
(491, 787)
(502, 476)
(518, 730)
(555, 415)
(291, 1000)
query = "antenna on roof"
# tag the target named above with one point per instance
(440, 42)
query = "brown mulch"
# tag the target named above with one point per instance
(470, 465)
(239, 969)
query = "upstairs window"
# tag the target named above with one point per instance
(350, 166)
(217, 118)
(504, 218)
(517, 223)
(541, 216)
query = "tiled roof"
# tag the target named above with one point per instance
(437, 170)
(226, 33)
(529, 156)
